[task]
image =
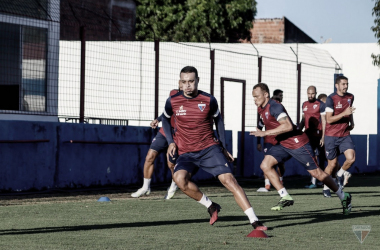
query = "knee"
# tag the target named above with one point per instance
(150, 157)
(181, 182)
(351, 160)
(264, 166)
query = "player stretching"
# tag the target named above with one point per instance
(314, 121)
(340, 121)
(158, 145)
(194, 112)
(269, 141)
(293, 143)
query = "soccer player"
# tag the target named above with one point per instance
(194, 112)
(340, 121)
(322, 97)
(158, 145)
(270, 140)
(314, 121)
(292, 143)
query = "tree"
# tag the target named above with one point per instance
(194, 20)
(376, 29)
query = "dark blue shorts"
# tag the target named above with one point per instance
(210, 159)
(304, 155)
(160, 145)
(332, 144)
(266, 148)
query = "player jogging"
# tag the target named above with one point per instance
(158, 145)
(194, 112)
(314, 121)
(340, 121)
(292, 143)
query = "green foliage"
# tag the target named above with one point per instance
(376, 29)
(194, 20)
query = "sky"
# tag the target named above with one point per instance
(336, 21)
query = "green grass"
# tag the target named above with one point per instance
(77, 221)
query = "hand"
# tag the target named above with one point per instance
(322, 141)
(171, 150)
(349, 111)
(259, 147)
(154, 123)
(257, 133)
(351, 127)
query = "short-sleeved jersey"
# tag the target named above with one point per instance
(172, 92)
(270, 114)
(312, 112)
(193, 120)
(336, 104)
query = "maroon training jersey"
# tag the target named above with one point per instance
(336, 104)
(312, 112)
(270, 114)
(193, 120)
(172, 92)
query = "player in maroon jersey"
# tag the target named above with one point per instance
(340, 121)
(292, 143)
(269, 141)
(194, 112)
(158, 145)
(314, 121)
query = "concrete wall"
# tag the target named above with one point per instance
(28, 162)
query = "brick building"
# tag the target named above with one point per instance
(278, 30)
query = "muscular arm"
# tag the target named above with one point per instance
(285, 126)
(220, 129)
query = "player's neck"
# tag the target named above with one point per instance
(265, 103)
(340, 93)
(194, 94)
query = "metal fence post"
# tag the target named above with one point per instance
(298, 93)
(260, 64)
(212, 58)
(156, 75)
(82, 73)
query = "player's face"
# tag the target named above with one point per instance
(323, 99)
(342, 86)
(259, 96)
(280, 96)
(311, 94)
(189, 84)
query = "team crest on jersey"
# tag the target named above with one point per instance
(349, 101)
(339, 105)
(305, 108)
(266, 115)
(315, 106)
(202, 106)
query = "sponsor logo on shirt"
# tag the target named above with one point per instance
(296, 140)
(181, 111)
(315, 106)
(202, 106)
(305, 109)
(338, 106)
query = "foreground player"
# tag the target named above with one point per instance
(158, 145)
(293, 143)
(194, 112)
(314, 121)
(269, 141)
(340, 121)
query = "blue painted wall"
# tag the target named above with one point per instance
(60, 164)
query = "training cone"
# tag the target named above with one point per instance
(257, 234)
(104, 199)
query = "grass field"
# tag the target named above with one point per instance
(75, 220)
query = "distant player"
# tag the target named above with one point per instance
(194, 112)
(158, 145)
(269, 141)
(314, 121)
(340, 121)
(292, 143)
(322, 97)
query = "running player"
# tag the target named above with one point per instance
(340, 121)
(158, 145)
(194, 112)
(314, 121)
(292, 143)
(269, 141)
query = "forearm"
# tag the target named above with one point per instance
(220, 129)
(334, 118)
(283, 128)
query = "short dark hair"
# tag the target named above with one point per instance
(277, 92)
(263, 87)
(321, 96)
(337, 80)
(189, 69)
